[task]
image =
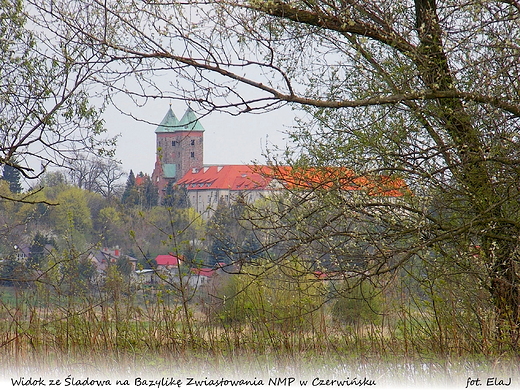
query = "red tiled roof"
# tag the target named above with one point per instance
(228, 177)
(203, 271)
(251, 177)
(167, 260)
(335, 177)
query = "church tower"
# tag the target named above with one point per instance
(179, 148)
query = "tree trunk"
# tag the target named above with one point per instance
(501, 255)
(472, 173)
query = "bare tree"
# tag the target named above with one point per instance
(83, 172)
(109, 180)
(427, 90)
(96, 174)
(45, 114)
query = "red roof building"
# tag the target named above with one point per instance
(205, 272)
(168, 261)
(225, 177)
(179, 161)
(214, 184)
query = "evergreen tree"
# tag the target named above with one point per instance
(175, 197)
(12, 176)
(130, 194)
(13, 273)
(140, 190)
(37, 249)
(149, 191)
(252, 248)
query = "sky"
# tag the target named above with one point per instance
(227, 140)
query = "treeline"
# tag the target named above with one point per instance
(70, 210)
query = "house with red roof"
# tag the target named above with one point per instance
(201, 276)
(168, 262)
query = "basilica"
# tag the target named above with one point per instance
(180, 162)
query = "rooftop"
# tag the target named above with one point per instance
(188, 122)
(228, 177)
(167, 260)
(251, 177)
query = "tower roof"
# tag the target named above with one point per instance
(169, 124)
(190, 122)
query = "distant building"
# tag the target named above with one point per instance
(179, 148)
(103, 258)
(216, 184)
(180, 162)
(168, 262)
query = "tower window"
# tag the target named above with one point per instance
(193, 142)
(174, 143)
(193, 154)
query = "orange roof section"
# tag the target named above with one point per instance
(336, 178)
(229, 177)
(260, 177)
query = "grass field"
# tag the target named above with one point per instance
(136, 335)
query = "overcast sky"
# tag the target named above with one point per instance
(227, 139)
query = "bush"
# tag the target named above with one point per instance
(359, 304)
(277, 296)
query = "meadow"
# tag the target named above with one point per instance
(137, 331)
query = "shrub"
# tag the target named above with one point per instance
(358, 303)
(282, 296)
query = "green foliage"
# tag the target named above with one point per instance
(14, 273)
(76, 273)
(53, 179)
(124, 267)
(284, 297)
(114, 282)
(130, 194)
(231, 236)
(140, 191)
(12, 176)
(108, 221)
(175, 197)
(357, 305)
(72, 211)
(148, 192)
(39, 250)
